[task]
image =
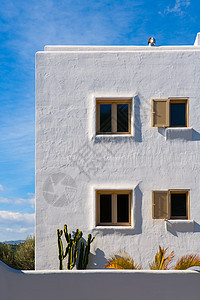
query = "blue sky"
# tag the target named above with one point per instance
(25, 27)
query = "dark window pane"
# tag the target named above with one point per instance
(177, 114)
(178, 205)
(105, 118)
(105, 208)
(123, 208)
(122, 117)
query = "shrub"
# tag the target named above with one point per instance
(24, 256)
(6, 255)
(161, 261)
(187, 261)
(122, 261)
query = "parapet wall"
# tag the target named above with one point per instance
(98, 285)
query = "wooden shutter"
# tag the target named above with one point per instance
(160, 205)
(160, 112)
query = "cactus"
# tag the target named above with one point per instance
(77, 238)
(87, 250)
(70, 255)
(80, 262)
(60, 247)
(74, 249)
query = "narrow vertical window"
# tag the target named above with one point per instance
(178, 114)
(160, 113)
(105, 208)
(179, 207)
(122, 117)
(105, 118)
(122, 208)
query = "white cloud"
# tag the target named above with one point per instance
(5, 200)
(1, 187)
(19, 201)
(30, 201)
(20, 230)
(10, 218)
(178, 8)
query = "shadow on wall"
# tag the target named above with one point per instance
(97, 260)
(196, 227)
(137, 214)
(137, 120)
(195, 135)
(188, 134)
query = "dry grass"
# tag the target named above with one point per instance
(162, 260)
(187, 261)
(122, 261)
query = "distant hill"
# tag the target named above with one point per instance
(13, 242)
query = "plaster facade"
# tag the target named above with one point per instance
(72, 162)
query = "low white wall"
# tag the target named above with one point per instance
(98, 285)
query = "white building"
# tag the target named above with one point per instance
(118, 149)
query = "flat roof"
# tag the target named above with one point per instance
(70, 48)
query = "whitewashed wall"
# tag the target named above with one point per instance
(98, 285)
(71, 161)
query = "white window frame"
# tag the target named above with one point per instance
(92, 122)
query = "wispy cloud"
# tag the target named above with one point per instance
(20, 230)
(178, 8)
(5, 200)
(16, 225)
(11, 219)
(1, 187)
(19, 201)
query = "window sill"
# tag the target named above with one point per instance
(114, 227)
(112, 137)
(180, 225)
(185, 133)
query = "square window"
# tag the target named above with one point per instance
(171, 204)
(170, 113)
(113, 116)
(113, 208)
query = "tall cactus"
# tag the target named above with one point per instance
(60, 247)
(81, 256)
(74, 249)
(87, 250)
(77, 238)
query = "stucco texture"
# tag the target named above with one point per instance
(72, 162)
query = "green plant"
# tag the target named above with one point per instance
(161, 261)
(24, 256)
(72, 247)
(60, 248)
(122, 261)
(76, 250)
(187, 261)
(83, 259)
(6, 255)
